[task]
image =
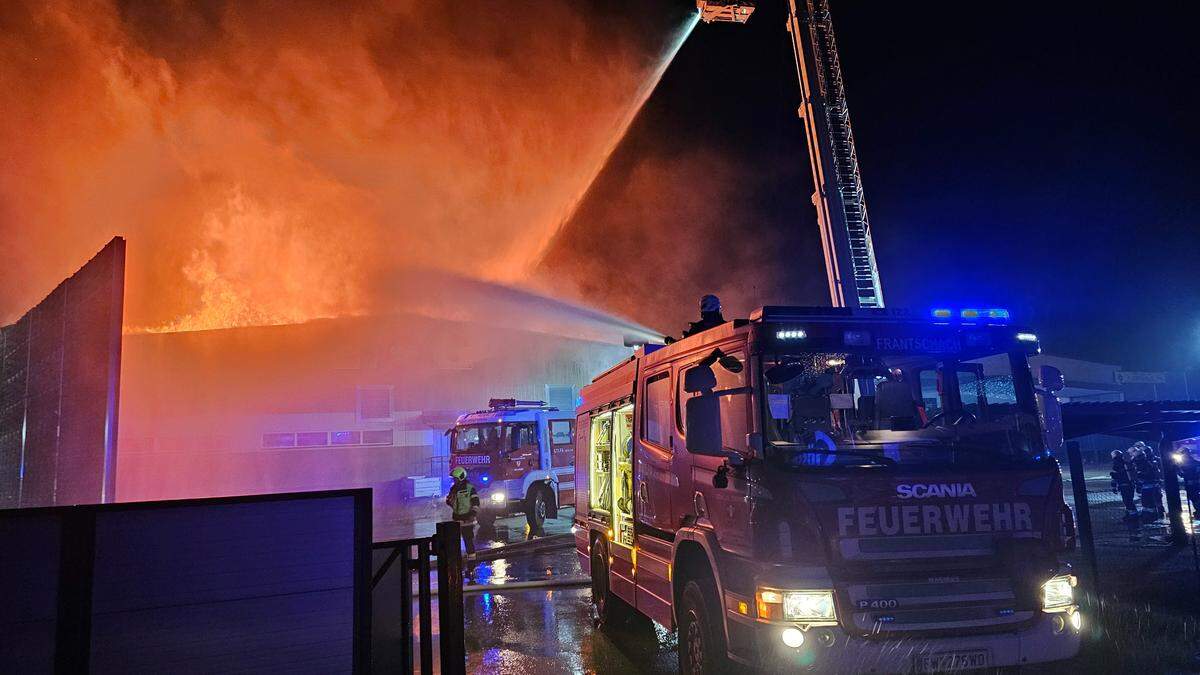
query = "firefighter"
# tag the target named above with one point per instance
(1122, 482)
(710, 316)
(463, 501)
(1149, 479)
(1187, 460)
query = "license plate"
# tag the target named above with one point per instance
(945, 662)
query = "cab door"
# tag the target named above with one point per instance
(521, 449)
(653, 479)
(726, 508)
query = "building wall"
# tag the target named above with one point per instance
(230, 412)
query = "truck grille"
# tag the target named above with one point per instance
(909, 606)
(921, 546)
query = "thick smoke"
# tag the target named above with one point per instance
(272, 162)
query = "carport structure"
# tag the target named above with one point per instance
(1159, 422)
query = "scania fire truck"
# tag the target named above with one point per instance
(520, 456)
(847, 490)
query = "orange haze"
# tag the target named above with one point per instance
(272, 162)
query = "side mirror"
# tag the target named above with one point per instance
(1052, 379)
(699, 379)
(703, 415)
(1052, 423)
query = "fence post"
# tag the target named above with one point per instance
(423, 552)
(1171, 488)
(406, 606)
(1083, 515)
(450, 599)
(73, 639)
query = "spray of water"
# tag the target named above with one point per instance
(622, 127)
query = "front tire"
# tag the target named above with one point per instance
(535, 512)
(701, 636)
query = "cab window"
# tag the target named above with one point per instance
(521, 436)
(734, 397)
(656, 426)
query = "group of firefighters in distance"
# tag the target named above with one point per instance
(1137, 470)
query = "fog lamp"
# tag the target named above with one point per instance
(792, 637)
(499, 497)
(1076, 621)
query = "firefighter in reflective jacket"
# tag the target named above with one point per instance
(1149, 479)
(463, 501)
(1122, 481)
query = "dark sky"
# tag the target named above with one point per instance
(1043, 159)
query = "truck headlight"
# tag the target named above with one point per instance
(1058, 594)
(499, 497)
(804, 606)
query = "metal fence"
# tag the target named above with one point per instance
(392, 588)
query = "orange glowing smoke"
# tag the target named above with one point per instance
(272, 162)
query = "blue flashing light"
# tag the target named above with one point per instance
(1027, 337)
(791, 334)
(942, 313)
(485, 478)
(989, 314)
(1006, 612)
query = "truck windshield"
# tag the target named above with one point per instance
(828, 409)
(477, 438)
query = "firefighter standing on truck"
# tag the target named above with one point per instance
(463, 501)
(710, 316)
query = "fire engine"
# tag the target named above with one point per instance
(520, 457)
(846, 489)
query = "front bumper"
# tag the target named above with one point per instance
(845, 654)
(509, 507)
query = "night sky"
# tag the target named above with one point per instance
(1043, 160)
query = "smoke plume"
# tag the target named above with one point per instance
(272, 162)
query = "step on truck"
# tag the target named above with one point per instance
(520, 456)
(844, 490)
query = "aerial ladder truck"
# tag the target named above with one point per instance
(847, 489)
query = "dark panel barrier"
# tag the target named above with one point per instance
(59, 375)
(270, 583)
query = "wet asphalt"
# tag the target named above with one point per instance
(542, 630)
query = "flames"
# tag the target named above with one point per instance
(275, 162)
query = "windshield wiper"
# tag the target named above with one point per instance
(954, 444)
(875, 457)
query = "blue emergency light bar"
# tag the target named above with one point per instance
(992, 315)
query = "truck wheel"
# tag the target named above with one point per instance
(701, 636)
(535, 513)
(607, 608)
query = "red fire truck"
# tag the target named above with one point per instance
(520, 456)
(851, 490)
